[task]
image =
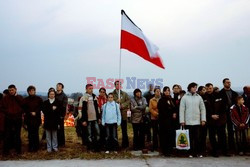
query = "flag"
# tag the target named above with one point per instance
(133, 40)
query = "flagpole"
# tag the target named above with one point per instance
(120, 63)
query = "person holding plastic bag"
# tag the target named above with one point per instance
(192, 116)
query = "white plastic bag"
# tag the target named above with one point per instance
(182, 139)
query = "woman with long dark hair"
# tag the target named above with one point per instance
(167, 115)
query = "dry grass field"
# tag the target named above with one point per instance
(73, 149)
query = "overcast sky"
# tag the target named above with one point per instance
(43, 42)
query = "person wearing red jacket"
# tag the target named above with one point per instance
(12, 108)
(102, 99)
(240, 118)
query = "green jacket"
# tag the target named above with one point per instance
(125, 103)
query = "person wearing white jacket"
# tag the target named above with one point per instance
(192, 116)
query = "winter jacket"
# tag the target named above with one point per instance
(239, 115)
(12, 107)
(1, 117)
(226, 106)
(214, 106)
(138, 107)
(124, 103)
(166, 110)
(192, 109)
(153, 109)
(51, 117)
(101, 101)
(111, 113)
(32, 104)
(247, 100)
(148, 95)
(83, 105)
(63, 101)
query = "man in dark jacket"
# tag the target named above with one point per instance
(5, 93)
(148, 95)
(228, 98)
(12, 109)
(90, 118)
(216, 119)
(32, 108)
(246, 96)
(63, 100)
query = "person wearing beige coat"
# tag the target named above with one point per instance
(153, 109)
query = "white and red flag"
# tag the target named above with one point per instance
(133, 40)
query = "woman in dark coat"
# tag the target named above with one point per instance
(32, 109)
(51, 108)
(167, 115)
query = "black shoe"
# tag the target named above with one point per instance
(227, 155)
(135, 149)
(31, 150)
(19, 152)
(125, 146)
(215, 155)
(6, 153)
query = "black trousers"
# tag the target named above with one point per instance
(155, 127)
(230, 134)
(33, 135)
(148, 132)
(139, 136)
(125, 142)
(12, 134)
(84, 133)
(203, 139)
(241, 140)
(194, 132)
(167, 139)
(219, 131)
(60, 133)
(147, 128)
(102, 135)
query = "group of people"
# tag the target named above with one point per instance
(17, 112)
(202, 111)
(222, 115)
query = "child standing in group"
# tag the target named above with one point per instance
(240, 118)
(111, 118)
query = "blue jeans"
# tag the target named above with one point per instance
(93, 135)
(111, 137)
(51, 137)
